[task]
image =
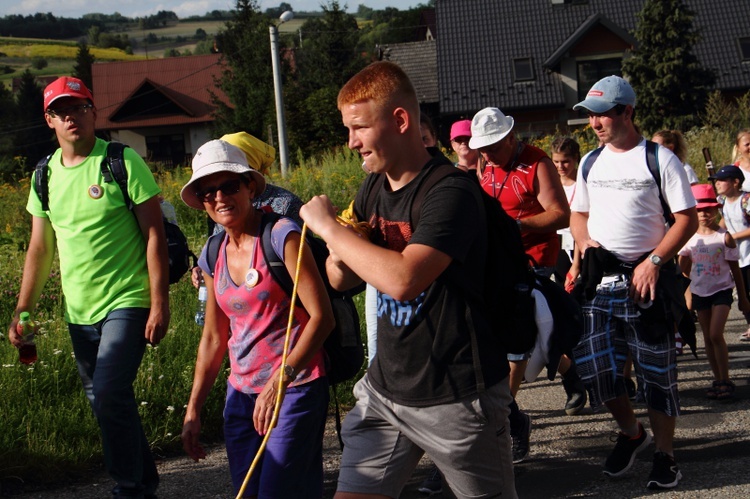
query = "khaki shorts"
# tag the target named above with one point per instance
(468, 440)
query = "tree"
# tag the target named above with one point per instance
(34, 139)
(82, 68)
(671, 85)
(327, 58)
(247, 76)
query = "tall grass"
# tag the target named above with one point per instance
(49, 433)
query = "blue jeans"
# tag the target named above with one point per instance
(108, 355)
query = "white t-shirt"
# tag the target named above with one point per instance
(710, 272)
(567, 237)
(735, 221)
(691, 176)
(622, 199)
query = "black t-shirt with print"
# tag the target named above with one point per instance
(424, 352)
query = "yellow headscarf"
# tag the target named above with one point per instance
(259, 154)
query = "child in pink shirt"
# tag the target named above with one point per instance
(710, 260)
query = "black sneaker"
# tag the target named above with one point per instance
(521, 440)
(626, 448)
(576, 394)
(665, 474)
(433, 484)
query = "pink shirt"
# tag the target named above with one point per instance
(258, 319)
(710, 271)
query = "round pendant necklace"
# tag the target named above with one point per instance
(252, 276)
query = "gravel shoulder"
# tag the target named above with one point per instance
(712, 446)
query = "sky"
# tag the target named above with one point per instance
(183, 8)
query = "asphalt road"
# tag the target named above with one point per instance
(712, 447)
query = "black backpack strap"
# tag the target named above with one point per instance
(212, 250)
(652, 160)
(275, 265)
(590, 160)
(113, 168)
(41, 185)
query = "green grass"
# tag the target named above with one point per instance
(49, 433)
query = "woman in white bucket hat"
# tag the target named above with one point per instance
(243, 294)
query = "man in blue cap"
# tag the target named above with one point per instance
(618, 207)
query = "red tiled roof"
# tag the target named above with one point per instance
(156, 92)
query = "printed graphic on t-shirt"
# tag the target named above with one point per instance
(400, 313)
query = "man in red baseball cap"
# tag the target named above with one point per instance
(66, 86)
(117, 291)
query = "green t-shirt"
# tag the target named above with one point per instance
(101, 249)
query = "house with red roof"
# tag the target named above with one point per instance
(162, 108)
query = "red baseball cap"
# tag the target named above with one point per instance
(66, 86)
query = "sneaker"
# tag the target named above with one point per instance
(626, 448)
(433, 484)
(521, 441)
(665, 474)
(576, 396)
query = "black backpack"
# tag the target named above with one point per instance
(509, 280)
(113, 169)
(344, 349)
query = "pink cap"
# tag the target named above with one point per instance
(66, 86)
(705, 196)
(461, 129)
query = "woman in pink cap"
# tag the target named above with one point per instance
(468, 158)
(710, 260)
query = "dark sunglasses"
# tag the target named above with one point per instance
(228, 188)
(70, 111)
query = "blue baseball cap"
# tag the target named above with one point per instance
(727, 172)
(606, 94)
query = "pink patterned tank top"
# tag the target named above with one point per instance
(258, 318)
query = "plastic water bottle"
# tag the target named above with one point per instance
(200, 314)
(27, 351)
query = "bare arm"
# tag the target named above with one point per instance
(402, 275)
(211, 351)
(645, 275)
(39, 258)
(551, 196)
(312, 294)
(149, 219)
(739, 281)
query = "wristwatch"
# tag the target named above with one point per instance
(290, 372)
(655, 259)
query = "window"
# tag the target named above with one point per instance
(589, 72)
(522, 69)
(745, 48)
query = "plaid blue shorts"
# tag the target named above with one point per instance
(612, 328)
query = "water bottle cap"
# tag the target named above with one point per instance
(24, 316)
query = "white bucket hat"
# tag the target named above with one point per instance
(488, 126)
(213, 157)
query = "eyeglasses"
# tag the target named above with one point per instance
(70, 111)
(228, 188)
(461, 139)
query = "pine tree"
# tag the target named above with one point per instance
(82, 68)
(247, 77)
(671, 85)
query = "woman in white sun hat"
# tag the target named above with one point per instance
(243, 294)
